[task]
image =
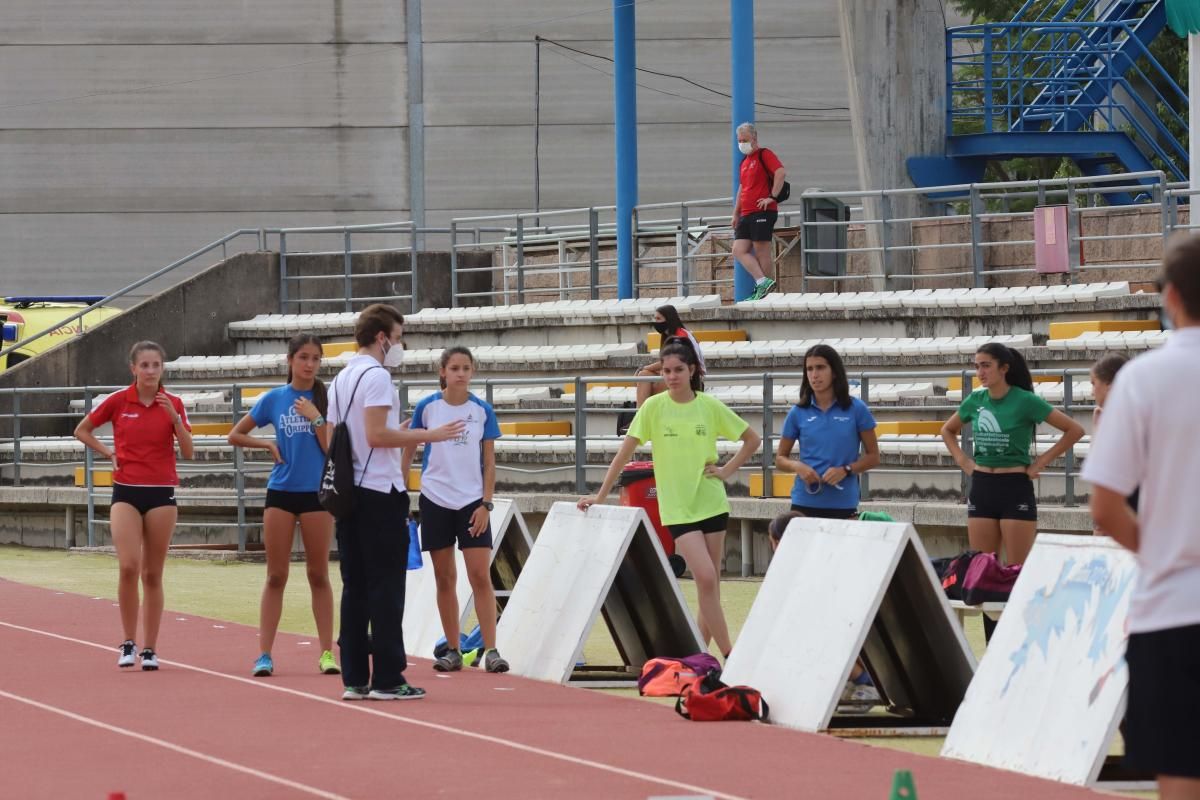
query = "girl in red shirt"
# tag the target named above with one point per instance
(146, 423)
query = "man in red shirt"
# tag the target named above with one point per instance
(755, 209)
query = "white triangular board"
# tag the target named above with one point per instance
(1051, 689)
(820, 596)
(422, 625)
(575, 562)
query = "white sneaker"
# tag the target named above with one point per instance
(128, 653)
(149, 660)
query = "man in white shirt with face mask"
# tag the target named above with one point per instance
(373, 538)
(1149, 440)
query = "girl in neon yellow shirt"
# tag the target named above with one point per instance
(683, 425)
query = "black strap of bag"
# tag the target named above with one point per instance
(785, 191)
(350, 404)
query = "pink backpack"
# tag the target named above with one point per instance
(988, 581)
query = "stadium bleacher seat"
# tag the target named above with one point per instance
(950, 346)
(1069, 330)
(741, 394)
(591, 311)
(654, 339)
(561, 356)
(1111, 340)
(948, 299)
(1052, 391)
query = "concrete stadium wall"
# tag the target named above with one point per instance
(138, 131)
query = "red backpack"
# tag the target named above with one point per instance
(709, 700)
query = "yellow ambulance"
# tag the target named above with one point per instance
(23, 317)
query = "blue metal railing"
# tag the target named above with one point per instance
(1055, 69)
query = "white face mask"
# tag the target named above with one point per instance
(746, 148)
(393, 356)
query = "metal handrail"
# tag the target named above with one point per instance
(138, 284)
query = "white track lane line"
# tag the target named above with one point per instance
(220, 762)
(364, 708)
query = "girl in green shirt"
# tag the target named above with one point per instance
(1004, 415)
(683, 425)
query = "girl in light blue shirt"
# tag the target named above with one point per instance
(296, 411)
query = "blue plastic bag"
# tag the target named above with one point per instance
(466, 642)
(414, 545)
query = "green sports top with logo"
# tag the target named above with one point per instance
(1003, 429)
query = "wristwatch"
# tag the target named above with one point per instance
(488, 506)
(849, 469)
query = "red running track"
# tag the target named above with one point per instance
(72, 725)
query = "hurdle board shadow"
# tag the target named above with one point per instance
(606, 562)
(511, 545)
(1051, 689)
(840, 589)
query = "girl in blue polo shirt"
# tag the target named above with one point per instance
(296, 410)
(458, 477)
(836, 433)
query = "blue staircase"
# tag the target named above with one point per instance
(1070, 78)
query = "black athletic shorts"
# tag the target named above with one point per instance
(143, 498)
(442, 527)
(293, 502)
(1161, 735)
(1004, 495)
(826, 513)
(757, 227)
(717, 524)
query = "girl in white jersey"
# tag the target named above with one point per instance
(458, 477)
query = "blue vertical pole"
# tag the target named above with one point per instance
(625, 130)
(741, 46)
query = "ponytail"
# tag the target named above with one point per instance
(1018, 371)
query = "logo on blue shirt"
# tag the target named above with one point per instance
(293, 422)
